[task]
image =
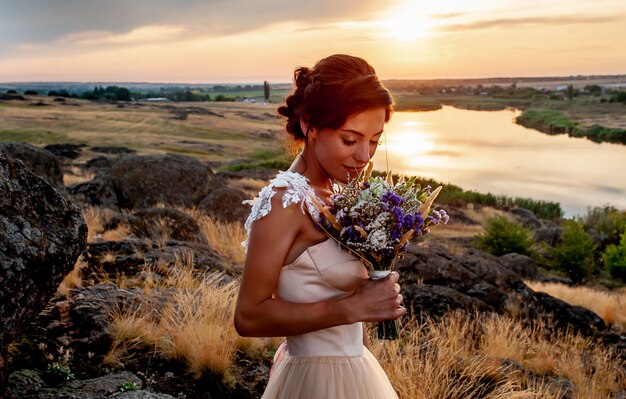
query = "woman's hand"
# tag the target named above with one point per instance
(377, 300)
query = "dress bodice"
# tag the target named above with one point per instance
(322, 272)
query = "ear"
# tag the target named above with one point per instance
(303, 126)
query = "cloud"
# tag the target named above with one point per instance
(31, 21)
(509, 22)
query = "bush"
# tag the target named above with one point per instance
(503, 236)
(575, 254)
(607, 222)
(615, 259)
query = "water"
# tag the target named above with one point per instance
(486, 151)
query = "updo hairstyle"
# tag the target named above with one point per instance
(334, 89)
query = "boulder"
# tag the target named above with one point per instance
(41, 236)
(434, 280)
(525, 217)
(550, 234)
(95, 192)
(225, 204)
(524, 266)
(69, 151)
(38, 161)
(113, 150)
(159, 224)
(134, 256)
(171, 180)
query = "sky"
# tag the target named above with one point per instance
(216, 41)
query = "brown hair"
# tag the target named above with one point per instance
(334, 89)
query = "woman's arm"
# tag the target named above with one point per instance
(259, 314)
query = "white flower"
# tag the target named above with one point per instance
(377, 239)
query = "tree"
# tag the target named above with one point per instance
(570, 92)
(266, 91)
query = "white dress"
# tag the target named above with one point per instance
(331, 363)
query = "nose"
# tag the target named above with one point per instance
(362, 154)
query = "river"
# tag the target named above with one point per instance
(486, 151)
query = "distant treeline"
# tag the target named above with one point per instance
(170, 92)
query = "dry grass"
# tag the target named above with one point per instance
(77, 175)
(96, 218)
(249, 186)
(74, 279)
(225, 238)
(610, 306)
(194, 324)
(459, 358)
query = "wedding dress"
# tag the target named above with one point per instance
(331, 363)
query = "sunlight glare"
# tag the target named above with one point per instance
(408, 23)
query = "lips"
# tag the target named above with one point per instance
(353, 169)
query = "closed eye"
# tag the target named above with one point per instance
(349, 142)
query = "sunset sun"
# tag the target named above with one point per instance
(408, 23)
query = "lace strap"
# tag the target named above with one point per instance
(298, 192)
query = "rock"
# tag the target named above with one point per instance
(524, 266)
(41, 236)
(37, 161)
(99, 164)
(525, 217)
(69, 151)
(264, 174)
(96, 192)
(141, 394)
(23, 382)
(225, 204)
(160, 224)
(171, 179)
(113, 150)
(458, 216)
(95, 388)
(132, 256)
(550, 234)
(433, 280)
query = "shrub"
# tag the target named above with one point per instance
(608, 223)
(615, 258)
(576, 252)
(503, 236)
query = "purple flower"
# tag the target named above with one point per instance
(392, 198)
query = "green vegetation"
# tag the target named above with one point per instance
(547, 121)
(601, 134)
(615, 259)
(270, 164)
(607, 222)
(503, 236)
(129, 386)
(451, 193)
(34, 136)
(575, 254)
(58, 373)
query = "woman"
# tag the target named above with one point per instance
(299, 283)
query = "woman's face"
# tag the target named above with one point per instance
(346, 151)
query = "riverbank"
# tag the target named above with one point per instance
(588, 116)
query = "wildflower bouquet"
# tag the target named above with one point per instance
(375, 219)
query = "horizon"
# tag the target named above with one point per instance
(195, 41)
(562, 77)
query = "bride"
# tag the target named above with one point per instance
(299, 283)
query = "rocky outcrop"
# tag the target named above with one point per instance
(134, 256)
(41, 236)
(524, 266)
(225, 204)
(121, 385)
(171, 180)
(434, 280)
(38, 161)
(95, 192)
(159, 224)
(68, 151)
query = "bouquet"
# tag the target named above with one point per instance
(375, 219)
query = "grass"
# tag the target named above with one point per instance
(34, 136)
(609, 305)
(193, 325)
(461, 358)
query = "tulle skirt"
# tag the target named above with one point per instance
(327, 377)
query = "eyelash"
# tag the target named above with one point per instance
(350, 143)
